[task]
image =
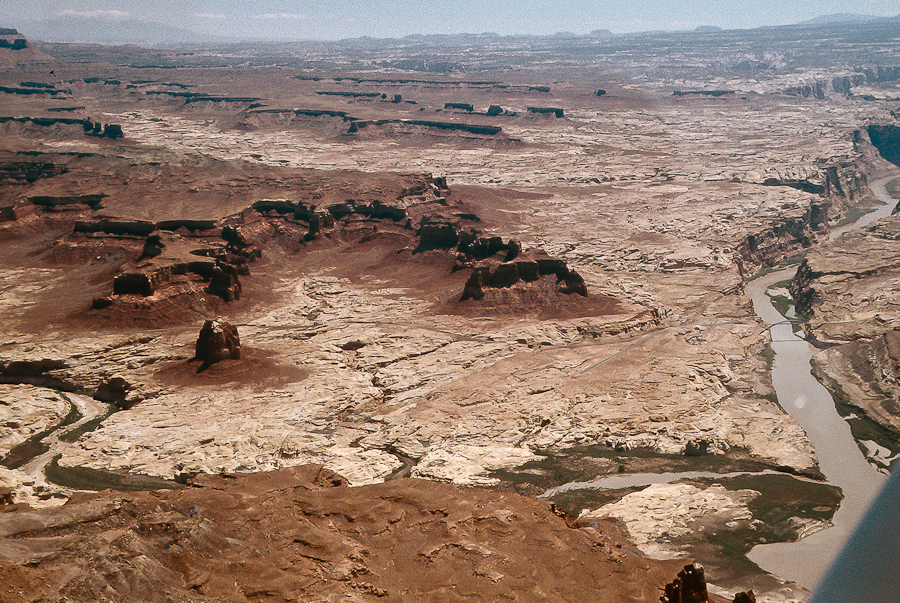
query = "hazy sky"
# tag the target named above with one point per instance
(334, 19)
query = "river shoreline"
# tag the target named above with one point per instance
(840, 458)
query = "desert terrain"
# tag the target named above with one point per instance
(508, 265)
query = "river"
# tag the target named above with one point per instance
(800, 394)
(840, 458)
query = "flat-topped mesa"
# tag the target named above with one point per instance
(547, 111)
(221, 278)
(167, 255)
(528, 267)
(11, 38)
(321, 216)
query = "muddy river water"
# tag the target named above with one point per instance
(840, 458)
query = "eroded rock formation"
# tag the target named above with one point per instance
(218, 340)
(526, 268)
(690, 587)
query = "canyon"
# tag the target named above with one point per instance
(423, 294)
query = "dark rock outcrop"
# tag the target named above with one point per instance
(129, 283)
(28, 171)
(494, 110)
(690, 587)
(114, 389)
(801, 287)
(525, 269)
(547, 110)
(438, 232)
(101, 130)
(223, 281)
(461, 106)
(111, 226)
(218, 340)
(438, 125)
(886, 138)
(92, 200)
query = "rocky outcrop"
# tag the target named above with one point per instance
(102, 130)
(438, 232)
(202, 97)
(690, 587)
(461, 106)
(222, 278)
(348, 94)
(28, 171)
(115, 227)
(547, 111)
(218, 340)
(453, 126)
(325, 216)
(89, 127)
(93, 200)
(525, 269)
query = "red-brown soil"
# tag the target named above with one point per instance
(299, 534)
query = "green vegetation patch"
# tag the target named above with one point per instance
(893, 188)
(73, 434)
(863, 428)
(34, 446)
(782, 498)
(83, 478)
(782, 303)
(854, 214)
(587, 463)
(574, 501)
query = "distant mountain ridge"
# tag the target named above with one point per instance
(81, 30)
(84, 30)
(841, 18)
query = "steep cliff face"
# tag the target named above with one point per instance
(849, 290)
(842, 85)
(837, 184)
(865, 374)
(886, 138)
